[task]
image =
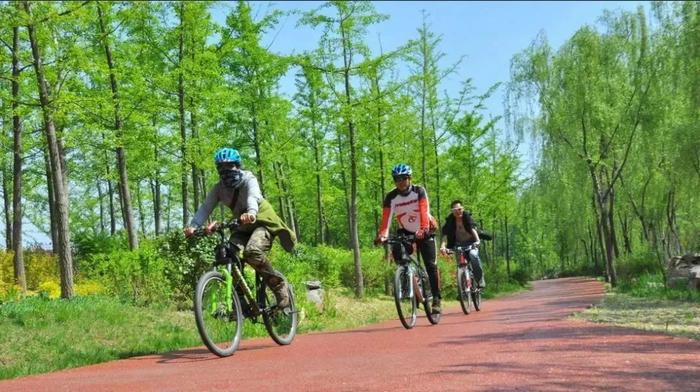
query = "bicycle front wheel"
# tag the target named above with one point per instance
(281, 324)
(404, 298)
(464, 289)
(219, 327)
(476, 298)
(432, 316)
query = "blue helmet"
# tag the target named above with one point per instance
(401, 170)
(227, 155)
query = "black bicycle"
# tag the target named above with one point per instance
(223, 300)
(469, 293)
(410, 281)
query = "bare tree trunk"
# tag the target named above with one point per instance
(128, 215)
(61, 193)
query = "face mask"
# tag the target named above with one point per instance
(231, 178)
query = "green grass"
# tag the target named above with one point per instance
(39, 335)
(644, 303)
(676, 318)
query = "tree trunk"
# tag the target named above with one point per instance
(100, 195)
(181, 111)
(156, 183)
(319, 196)
(61, 193)
(53, 227)
(7, 204)
(506, 237)
(128, 215)
(257, 142)
(17, 214)
(354, 239)
(139, 200)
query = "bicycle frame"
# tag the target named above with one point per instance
(410, 262)
(233, 275)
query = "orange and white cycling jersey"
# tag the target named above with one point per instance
(412, 210)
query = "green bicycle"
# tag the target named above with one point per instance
(223, 300)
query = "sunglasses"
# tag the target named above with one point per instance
(401, 178)
(458, 209)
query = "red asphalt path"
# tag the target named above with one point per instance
(518, 343)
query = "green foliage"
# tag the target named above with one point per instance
(137, 276)
(185, 261)
(653, 285)
(42, 335)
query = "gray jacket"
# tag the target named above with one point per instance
(249, 199)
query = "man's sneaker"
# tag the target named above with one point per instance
(436, 305)
(281, 295)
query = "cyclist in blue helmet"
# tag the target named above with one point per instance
(409, 203)
(238, 189)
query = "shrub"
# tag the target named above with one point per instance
(137, 276)
(50, 289)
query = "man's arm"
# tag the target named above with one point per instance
(254, 196)
(206, 208)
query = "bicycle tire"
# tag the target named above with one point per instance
(403, 279)
(476, 299)
(463, 289)
(281, 324)
(219, 328)
(433, 318)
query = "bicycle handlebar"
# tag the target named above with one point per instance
(461, 248)
(219, 228)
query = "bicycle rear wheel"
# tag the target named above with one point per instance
(464, 289)
(281, 324)
(404, 298)
(219, 327)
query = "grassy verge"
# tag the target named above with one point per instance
(646, 305)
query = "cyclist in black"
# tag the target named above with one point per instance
(459, 230)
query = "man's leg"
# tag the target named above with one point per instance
(428, 253)
(255, 254)
(476, 264)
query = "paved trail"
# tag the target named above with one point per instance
(522, 342)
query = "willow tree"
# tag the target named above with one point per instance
(592, 94)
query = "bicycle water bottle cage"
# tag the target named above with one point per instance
(223, 254)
